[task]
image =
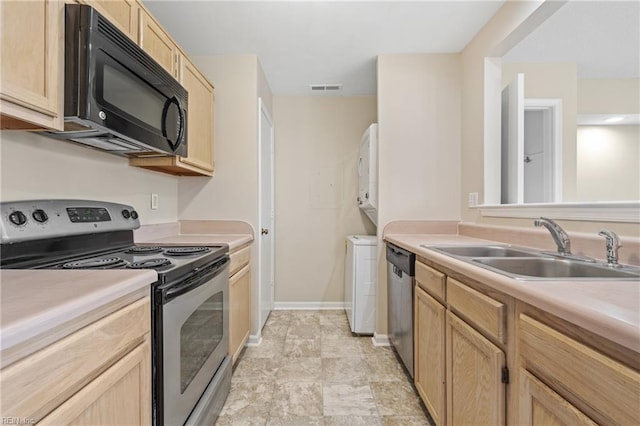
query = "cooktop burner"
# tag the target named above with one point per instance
(186, 251)
(155, 263)
(144, 250)
(100, 263)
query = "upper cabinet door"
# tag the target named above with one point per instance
(200, 117)
(157, 43)
(123, 13)
(32, 64)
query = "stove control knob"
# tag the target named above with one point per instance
(134, 214)
(126, 214)
(18, 218)
(40, 216)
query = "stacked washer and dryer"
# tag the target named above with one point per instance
(360, 272)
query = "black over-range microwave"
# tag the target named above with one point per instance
(117, 98)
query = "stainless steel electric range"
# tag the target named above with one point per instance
(190, 362)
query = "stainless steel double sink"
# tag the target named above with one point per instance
(529, 264)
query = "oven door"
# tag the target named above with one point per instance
(194, 326)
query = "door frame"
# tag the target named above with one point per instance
(261, 220)
(552, 144)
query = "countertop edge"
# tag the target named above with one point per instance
(22, 330)
(608, 325)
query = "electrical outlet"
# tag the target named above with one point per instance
(473, 199)
(154, 201)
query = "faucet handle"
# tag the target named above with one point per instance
(613, 244)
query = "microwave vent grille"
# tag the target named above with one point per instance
(116, 36)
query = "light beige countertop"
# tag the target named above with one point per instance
(234, 241)
(41, 306)
(608, 308)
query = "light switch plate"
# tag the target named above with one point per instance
(473, 199)
(154, 201)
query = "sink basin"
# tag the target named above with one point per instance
(483, 251)
(548, 268)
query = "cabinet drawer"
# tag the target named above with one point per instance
(604, 389)
(42, 381)
(238, 259)
(431, 281)
(484, 312)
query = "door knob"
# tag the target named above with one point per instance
(264, 231)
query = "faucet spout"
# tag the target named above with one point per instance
(557, 233)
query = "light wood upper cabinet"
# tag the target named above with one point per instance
(200, 117)
(157, 43)
(31, 88)
(199, 160)
(122, 13)
(475, 392)
(430, 353)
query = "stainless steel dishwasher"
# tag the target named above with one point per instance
(400, 273)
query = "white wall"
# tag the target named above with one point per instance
(232, 192)
(609, 96)
(317, 141)
(419, 145)
(38, 167)
(608, 163)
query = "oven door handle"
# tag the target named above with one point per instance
(195, 280)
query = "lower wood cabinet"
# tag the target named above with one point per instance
(475, 392)
(458, 369)
(507, 362)
(119, 396)
(100, 374)
(239, 300)
(601, 387)
(540, 405)
(429, 356)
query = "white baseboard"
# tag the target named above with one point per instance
(380, 340)
(285, 306)
(254, 340)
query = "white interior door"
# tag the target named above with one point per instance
(535, 157)
(266, 216)
(542, 150)
(512, 163)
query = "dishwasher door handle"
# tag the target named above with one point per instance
(398, 252)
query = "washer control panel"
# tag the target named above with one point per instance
(39, 219)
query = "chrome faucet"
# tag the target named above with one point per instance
(559, 236)
(613, 244)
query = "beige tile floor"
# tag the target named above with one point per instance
(310, 370)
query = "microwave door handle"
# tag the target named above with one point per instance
(173, 144)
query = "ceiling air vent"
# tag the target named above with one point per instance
(319, 88)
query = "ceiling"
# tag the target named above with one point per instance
(300, 43)
(601, 37)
